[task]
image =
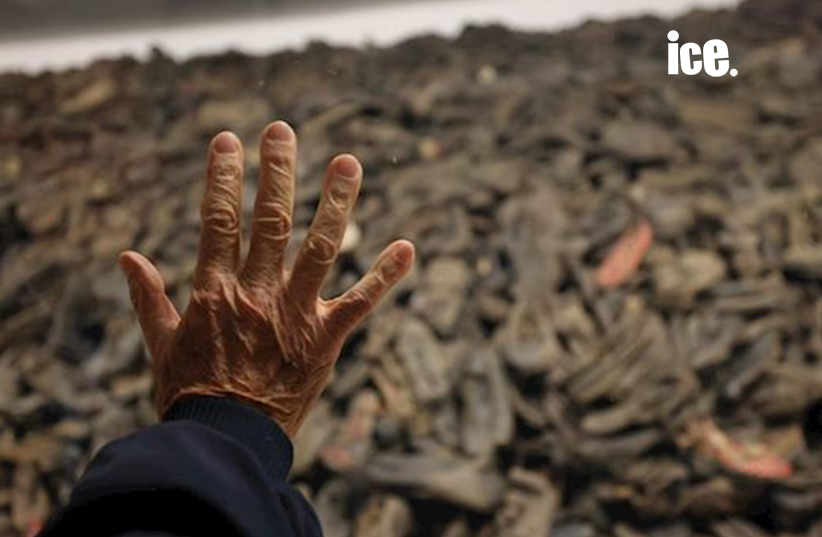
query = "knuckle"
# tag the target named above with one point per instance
(360, 299)
(225, 169)
(212, 292)
(273, 222)
(335, 208)
(205, 298)
(220, 216)
(339, 192)
(321, 248)
(256, 295)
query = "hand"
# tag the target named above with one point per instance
(257, 331)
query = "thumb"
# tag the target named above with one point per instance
(157, 315)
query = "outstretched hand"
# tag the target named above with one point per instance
(256, 330)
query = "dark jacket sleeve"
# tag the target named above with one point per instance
(214, 467)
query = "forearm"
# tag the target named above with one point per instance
(214, 467)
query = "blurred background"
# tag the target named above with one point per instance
(40, 34)
(614, 328)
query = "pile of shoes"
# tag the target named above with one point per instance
(615, 324)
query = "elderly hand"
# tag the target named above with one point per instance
(256, 330)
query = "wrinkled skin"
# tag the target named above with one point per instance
(256, 330)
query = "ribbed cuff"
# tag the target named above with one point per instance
(245, 424)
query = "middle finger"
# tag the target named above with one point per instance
(274, 206)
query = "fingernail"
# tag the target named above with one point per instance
(280, 131)
(347, 167)
(226, 142)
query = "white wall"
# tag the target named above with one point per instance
(379, 25)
